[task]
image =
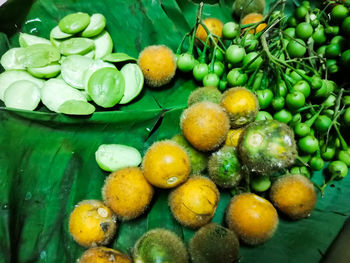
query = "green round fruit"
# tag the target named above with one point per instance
(267, 146)
(161, 246)
(213, 243)
(211, 94)
(260, 183)
(224, 167)
(198, 159)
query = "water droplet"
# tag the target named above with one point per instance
(5, 206)
(43, 254)
(148, 129)
(28, 196)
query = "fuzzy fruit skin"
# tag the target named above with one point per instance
(224, 167)
(205, 125)
(241, 105)
(92, 223)
(294, 195)
(194, 203)
(198, 159)
(214, 243)
(166, 164)
(213, 24)
(127, 193)
(204, 94)
(158, 65)
(252, 218)
(103, 255)
(267, 146)
(160, 245)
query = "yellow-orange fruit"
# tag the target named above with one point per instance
(241, 105)
(158, 65)
(253, 218)
(194, 203)
(214, 26)
(103, 255)
(233, 136)
(294, 195)
(166, 164)
(127, 193)
(205, 125)
(254, 18)
(92, 223)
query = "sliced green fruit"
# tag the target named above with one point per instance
(49, 71)
(74, 23)
(22, 94)
(57, 33)
(56, 92)
(39, 55)
(96, 64)
(56, 43)
(73, 68)
(103, 45)
(97, 24)
(133, 82)
(76, 46)
(76, 107)
(11, 76)
(106, 87)
(118, 57)
(26, 40)
(111, 157)
(90, 54)
(10, 60)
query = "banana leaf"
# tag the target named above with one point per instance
(47, 160)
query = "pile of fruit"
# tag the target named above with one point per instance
(290, 64)
(73, 67)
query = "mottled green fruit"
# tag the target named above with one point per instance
(214, 244)
(198, 159)
(161, 246)
(267, 146)
(224, 167)
(211, 94)
(243, 7)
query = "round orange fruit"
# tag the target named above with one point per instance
(294, 195)
(214, 26)
(194, 203)
(254, 18)
(92, 223)
(205, 125)
(241, 105)
(253, 218)
(158, 65)
(103, 255)
(127, 193)
(166, 164)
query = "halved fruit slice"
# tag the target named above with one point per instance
(111, 157)
(133, 82)
(22, 94)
